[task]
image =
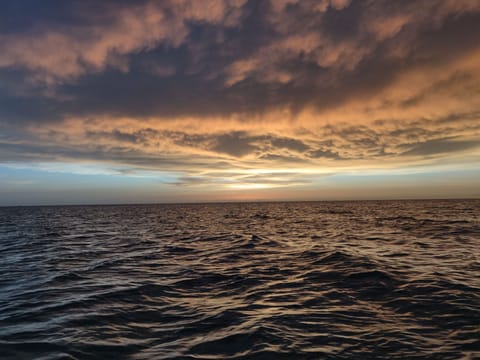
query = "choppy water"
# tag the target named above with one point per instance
(336, 280)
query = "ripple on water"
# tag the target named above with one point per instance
(241, 281)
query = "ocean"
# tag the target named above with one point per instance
(292, 280)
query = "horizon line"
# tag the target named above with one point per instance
(239, 202)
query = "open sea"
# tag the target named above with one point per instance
(305, 280)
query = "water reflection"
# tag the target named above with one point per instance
(303, 280)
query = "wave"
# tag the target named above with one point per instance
(241, 281)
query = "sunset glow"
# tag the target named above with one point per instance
(218, 100)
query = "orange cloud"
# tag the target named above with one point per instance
(67, 52)
(248, 95)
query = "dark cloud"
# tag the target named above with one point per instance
(113, 81)
(21, 103)
(327, 154)
(107, 154)
(441, 146)
(291, 144)
(142, 136)
(297, 55)
(234, 144)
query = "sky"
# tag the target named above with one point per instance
(232, 100)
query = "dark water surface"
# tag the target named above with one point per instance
(327, 280)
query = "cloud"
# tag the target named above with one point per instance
(325, 154)
(195, 87)
(291, 144)
(104, 33)
(234, 144)
(442, 146)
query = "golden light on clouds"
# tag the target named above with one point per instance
(243, 96)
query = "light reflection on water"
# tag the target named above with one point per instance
(396, 279)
